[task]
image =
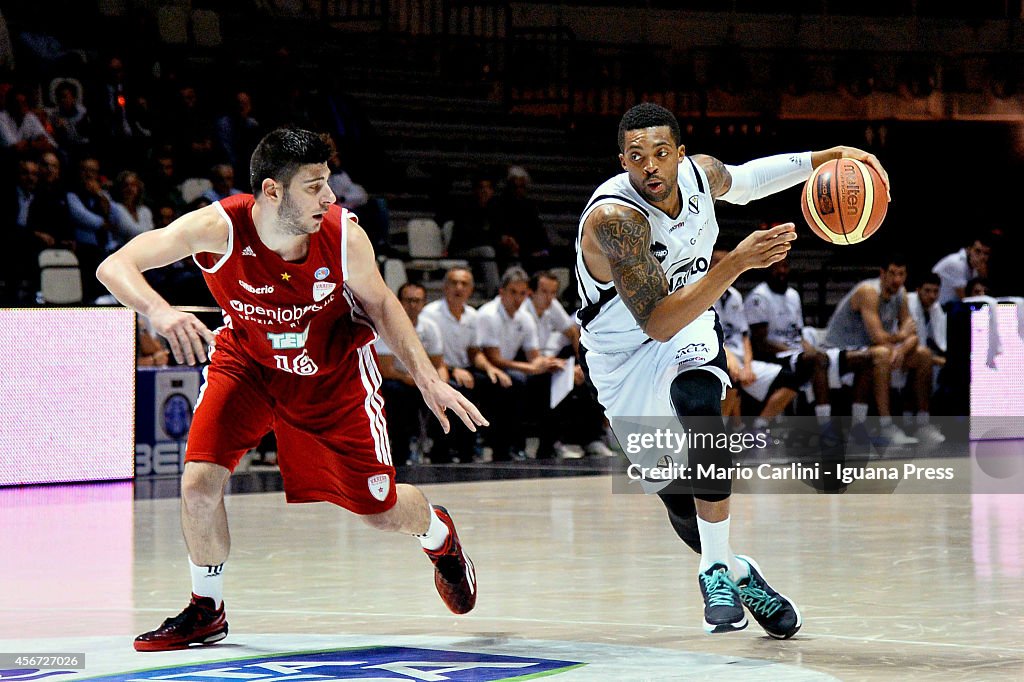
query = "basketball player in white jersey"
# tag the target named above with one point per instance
(653, 343)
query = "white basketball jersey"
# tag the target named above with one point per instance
(682, 245)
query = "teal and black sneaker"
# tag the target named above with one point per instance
(723, 611)
(774, 611)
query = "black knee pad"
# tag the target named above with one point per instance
(678, 501)
(697, 399)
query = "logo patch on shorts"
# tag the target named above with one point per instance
(693, 352)
(380, 486)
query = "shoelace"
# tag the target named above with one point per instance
(758, 600)
(720, 589)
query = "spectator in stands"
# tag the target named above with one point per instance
(133, 217)
(977, 286)
(91, 217)
(766, 382)
(874, 317)
(401, 397)
(72, 127)
(26, 231)
(20, 129)
(51, 170)
(929, 317)
(165, 215)
(164, 182)
(523, 238)
(469, 369)
(505, 333)
(776, 318)
(579, 415)
(955, 269)
(237, 133)
(475, 231)
(222, 177)
(107, 103)
(349, 193)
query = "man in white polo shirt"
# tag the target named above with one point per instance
(957, 268)
(579, 415)
(470, 371)
(504, 330)
(401, 397)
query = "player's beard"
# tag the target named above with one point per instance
(289, 217)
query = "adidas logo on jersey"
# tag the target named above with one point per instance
(247, 251)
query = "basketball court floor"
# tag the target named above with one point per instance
(575, 583)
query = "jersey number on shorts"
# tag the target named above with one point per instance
(303, 364)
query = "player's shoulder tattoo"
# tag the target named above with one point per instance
(718, 175)
(625, 239)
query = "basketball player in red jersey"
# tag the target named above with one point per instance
(303, 300)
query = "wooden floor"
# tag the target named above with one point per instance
(892, 587)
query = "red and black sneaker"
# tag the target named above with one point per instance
(454, 575)
(199, 623)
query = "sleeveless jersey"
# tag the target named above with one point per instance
(682, 245)
(295, 316)
(846, 328)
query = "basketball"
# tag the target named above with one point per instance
(844, 201)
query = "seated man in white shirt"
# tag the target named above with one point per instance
(955, 269)
(402, 401)
(469, 369)
(929, 317)
(579, 415)
(769, 383)
(506, 332)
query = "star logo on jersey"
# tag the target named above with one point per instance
(285, 276)
(322, 290)
(247, 251)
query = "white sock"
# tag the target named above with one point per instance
(823, 413)
(715, 549)
(923, 416)
(208, 581)
(437, 533)
(884, 421)
(859, 412)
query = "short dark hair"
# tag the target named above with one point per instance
(280, 153)
(545, 274)
(892, 258)
(648, 115)
(976, 280)
(929, 278)
(408, 285)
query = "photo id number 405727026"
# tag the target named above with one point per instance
(62, 661)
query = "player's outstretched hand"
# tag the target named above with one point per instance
(764, 247)
(188, 337)
(439, 397)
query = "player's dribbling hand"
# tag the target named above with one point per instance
(764, 247)
(440, 397)
(844, 152)
(188, 337)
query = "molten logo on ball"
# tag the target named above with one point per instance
(844, 201)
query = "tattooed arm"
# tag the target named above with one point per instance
(617, 247)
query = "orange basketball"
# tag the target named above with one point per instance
(844, 201)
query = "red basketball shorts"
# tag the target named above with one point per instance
(331, 432)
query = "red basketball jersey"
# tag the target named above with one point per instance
(297, 317)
